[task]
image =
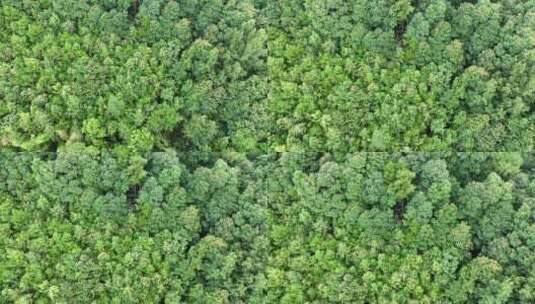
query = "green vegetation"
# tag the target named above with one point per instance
(246, 76)
(394, 75)
(257, 151)
(185, 74)
(290, 228)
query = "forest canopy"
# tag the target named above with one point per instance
(265, 76)
(83, 226)
(256, 151)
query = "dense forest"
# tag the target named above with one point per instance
(262, 151)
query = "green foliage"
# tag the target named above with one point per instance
(256, 151)
(165, 67)
(319, 76)
(393, 75)
(280, 229)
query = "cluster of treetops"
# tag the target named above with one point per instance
(257, 151)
